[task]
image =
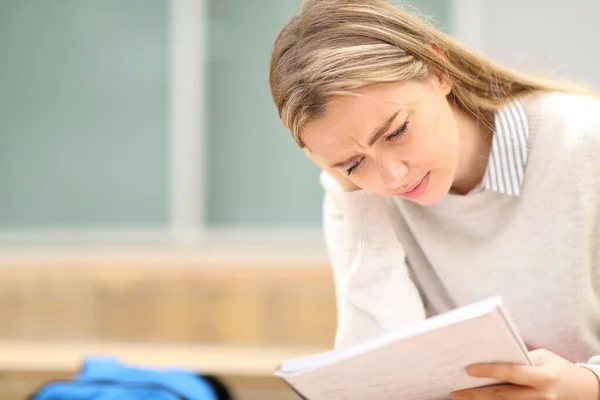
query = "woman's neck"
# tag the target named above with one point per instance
(475, 145)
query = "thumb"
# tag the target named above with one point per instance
(540, 357)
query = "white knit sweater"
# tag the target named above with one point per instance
(396, 262)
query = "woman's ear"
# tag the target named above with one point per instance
(445, 83)
(443, 80)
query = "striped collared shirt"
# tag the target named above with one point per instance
(508, 156)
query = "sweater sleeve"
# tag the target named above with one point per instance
(593, 365)
(374, 292)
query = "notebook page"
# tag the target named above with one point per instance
(458, 315)
(427, 366)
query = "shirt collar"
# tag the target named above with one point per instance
(508, 156)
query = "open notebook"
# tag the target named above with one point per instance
(423, 361)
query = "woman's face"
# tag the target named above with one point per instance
(396, 139)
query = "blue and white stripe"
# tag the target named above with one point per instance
(508, 156)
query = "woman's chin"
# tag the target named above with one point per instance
(428, 200)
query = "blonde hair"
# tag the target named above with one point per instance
(333, 47)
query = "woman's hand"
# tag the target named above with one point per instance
(551, 377)
(342, 180)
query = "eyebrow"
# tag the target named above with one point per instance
(383, 128)
(377, 133)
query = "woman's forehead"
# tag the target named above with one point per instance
(346, 125)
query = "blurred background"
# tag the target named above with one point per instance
(149, 195)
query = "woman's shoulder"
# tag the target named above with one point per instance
(563, 144)
(565, 119)
(571, 108)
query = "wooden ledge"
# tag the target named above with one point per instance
(66, 357)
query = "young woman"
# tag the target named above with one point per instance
(448, 179)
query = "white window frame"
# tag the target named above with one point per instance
(187, 192)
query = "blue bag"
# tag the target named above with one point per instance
(109, 379)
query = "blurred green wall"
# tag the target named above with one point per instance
(83, 113)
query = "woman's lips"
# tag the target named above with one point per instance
(417, 189)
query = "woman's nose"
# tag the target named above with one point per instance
(393, 173)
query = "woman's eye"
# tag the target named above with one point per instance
(354, 167)
(398, 133)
